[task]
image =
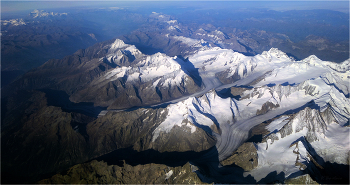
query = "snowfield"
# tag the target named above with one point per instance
(314, 92)
(308, 101)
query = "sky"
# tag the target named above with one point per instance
(15, 5)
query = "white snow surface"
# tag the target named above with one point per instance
(332, 143)
(304, 82)
(277, 124)
(14, 22)
(186, 40)
(164, 70)
(334, 146)
(279, 156)
(207, 110)
(278, 80)
(169, 174)
(172, 21)
(117, 44)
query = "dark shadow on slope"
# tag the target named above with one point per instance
(287, 83)
(244, 86)
(346, 95)
(9, 76)
(273, 178)
(270, 84)
(111, 64)
(311, 104)
(211, 171)
(224, 175)
(211, 117)
(256, 138)
(321, 171)
(133, 157)
(325, 172)
(291, 55)
(3, 109)
(250, 51)
(226, 93)
(148, 50)
(159, 93)
(60, 99)
(189, 69)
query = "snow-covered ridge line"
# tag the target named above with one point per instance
(269, 68)
(277, 66)
(160, 68)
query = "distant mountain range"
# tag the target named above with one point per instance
(30, 41)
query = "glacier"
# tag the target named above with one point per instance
(306, 102)
(308, 97)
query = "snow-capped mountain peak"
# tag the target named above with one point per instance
(161, 69)
(118, 44)
(14, 22)
(41, 13)
(275, 53)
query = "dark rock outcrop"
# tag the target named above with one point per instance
(245, 157)
(99, 172)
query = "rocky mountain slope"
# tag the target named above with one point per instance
(115, 76)
(284, 118)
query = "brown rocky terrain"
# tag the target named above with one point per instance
(63, 138)
(245, 157)
(99, 172)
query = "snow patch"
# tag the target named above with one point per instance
(277, 124)
(172, 21)
(186, 40)
(169, 174)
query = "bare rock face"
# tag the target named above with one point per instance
(44, 133)
(99, 172)
(64, 138)
(245, 157)
(266, 107)
(123, 129)
(304, 179)
(181, 139)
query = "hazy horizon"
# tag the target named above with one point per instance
(22, 6)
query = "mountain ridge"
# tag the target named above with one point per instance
(207, 101)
